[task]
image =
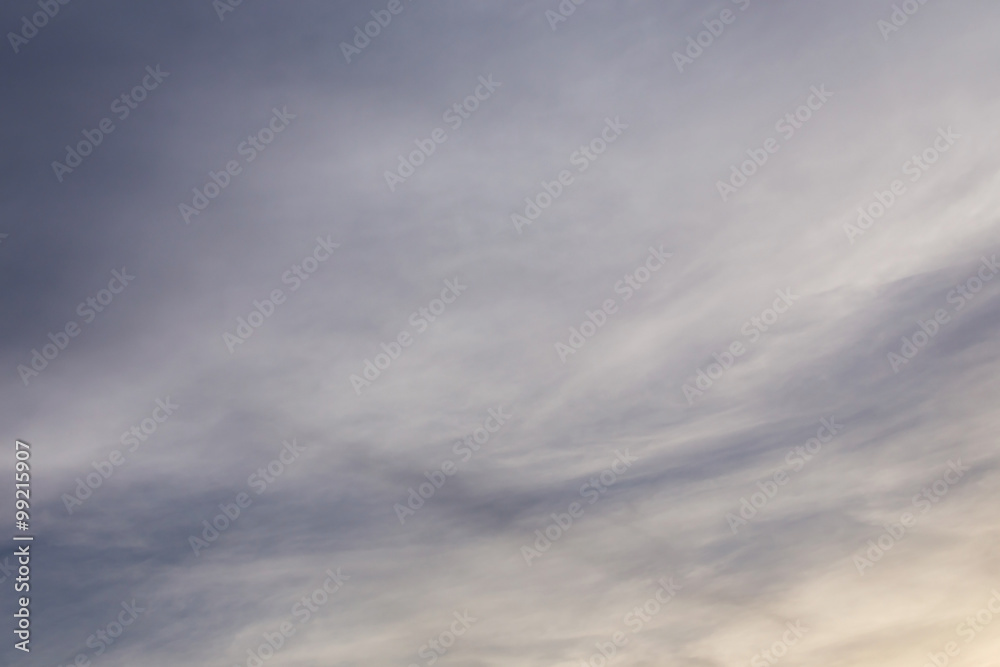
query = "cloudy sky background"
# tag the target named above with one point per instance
(655, 186)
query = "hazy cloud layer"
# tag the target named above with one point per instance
(744, 419)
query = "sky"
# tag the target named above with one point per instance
(488, 333)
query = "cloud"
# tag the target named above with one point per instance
(656, 185)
